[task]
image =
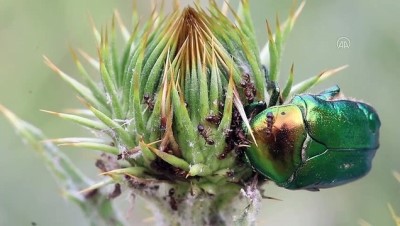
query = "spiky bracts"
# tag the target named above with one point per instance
(395, 216)
(170, 109)
(168, 105)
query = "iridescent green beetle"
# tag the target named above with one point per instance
(314, 141)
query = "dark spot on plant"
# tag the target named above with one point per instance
(116, 192)
(91, 194)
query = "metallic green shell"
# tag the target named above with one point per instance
(319, 142)
(277, 152)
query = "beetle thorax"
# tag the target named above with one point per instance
(280, 133)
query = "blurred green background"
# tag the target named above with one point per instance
(29, 29)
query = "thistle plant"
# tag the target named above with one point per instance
(170, 115)
(395, 217)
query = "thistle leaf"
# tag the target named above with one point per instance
(77, 140)
(148, 155)
(185, 134)
(89, 81)
(271, 54)
(274, 55)
(80, 112)
(228, 106)
(394, 215)
(111, 91)
(200, 170)
(114, 126)
(203, 86)
(397, 175)
(247, 26)
(153, 126)
(68, 176)
(289, 84)
(130, 171)
(96, 186)
(96, 32)
(134, 96)
(93, 62)
(94, 146)
(122, 27)
(311, 82)
(89, 123)
(85, 92)
(114, 63)
(214, 88)
(171, 159)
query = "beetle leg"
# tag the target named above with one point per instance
(274, 95)
(254, 108)
(270, 197)
(312, 189)
(330, 93)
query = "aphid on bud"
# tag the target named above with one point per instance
(127, 154)
(245, 80)
(149, 101)
(214, 119)
(248, 86)
(205, 134)
(241, 137)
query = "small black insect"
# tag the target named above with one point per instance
(249, 88)
(149, 101)
(127, 154)
(270, 122)
(116, 192)
(205, 134)
(172, 200)
(214, 119)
